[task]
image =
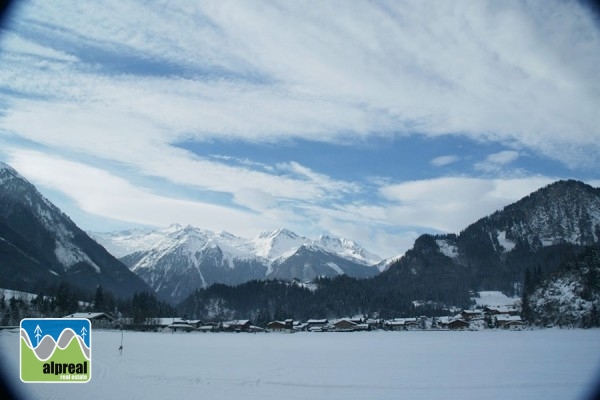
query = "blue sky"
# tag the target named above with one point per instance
(375, 121)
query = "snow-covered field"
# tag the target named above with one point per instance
(540, 364)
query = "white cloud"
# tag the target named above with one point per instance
(444, 160)
(495, 162)
(101, 193)
(134, 142)
(254, 199)
(450, 204)
(503, 157)
(513, 72)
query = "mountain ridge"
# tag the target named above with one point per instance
(552, 223)
(42, 246)
(176, 260)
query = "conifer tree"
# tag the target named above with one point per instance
(99, 299)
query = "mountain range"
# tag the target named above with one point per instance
(545, 231)
(40, 246)
(178, 260)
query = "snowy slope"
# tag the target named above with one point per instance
(52, 219)
(493, 298)
(269, 246)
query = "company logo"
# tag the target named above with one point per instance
(56, 350)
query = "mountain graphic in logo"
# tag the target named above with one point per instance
(56, 350)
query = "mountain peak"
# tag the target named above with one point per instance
(563, 188)
(281, 232)
(6, 167)
(566, 211)
(8, 173)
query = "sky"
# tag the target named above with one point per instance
(376, 121)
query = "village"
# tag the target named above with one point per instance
(489, 317)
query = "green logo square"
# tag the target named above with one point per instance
(56, 350)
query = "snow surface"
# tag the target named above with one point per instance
(447, 249)
(9, 294)
(494, 299)
(504, 242)
(335, 267)
(25, 296)
(541, 364)
(385, 264)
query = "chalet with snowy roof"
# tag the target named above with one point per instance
(276, 326)
(442, 322)
(280, 326)
(401, 324)
(344, 325)
(396, 324)
(195, 323)
(98, 320)
(164, 322)
(374, 323)
(316, 325)
(255, 329)
(509, 322)
(238, 325)
(180, 326)
(208, 327)
(469, 315)
(458, 325)
(411, 323)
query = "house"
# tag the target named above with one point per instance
(469, 315)
(180, 326)
(300, 326)
(374, 323)
(458, 324)
(98, 320)
(281, 326)
(255, 329)
(163, 323)
(441, 322)
(276, 326)
(411, 323)
(316, 325)
(196, 323)
(509, 322)
(401, 324)
(344, 325)
(238, 325)
(362, 327)
(208, 327)
(396, 324)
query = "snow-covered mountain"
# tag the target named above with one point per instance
(41, 246)
(176, 260)
(543, 228)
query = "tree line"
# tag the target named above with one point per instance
(583, 274)
(67, 299)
